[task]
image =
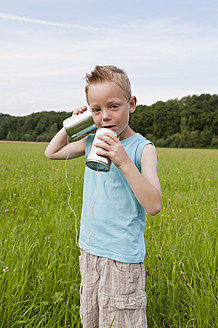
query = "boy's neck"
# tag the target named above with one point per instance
(126, 134)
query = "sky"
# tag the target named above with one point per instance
(169, 50)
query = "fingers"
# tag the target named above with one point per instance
(103, 146)
(106, 143)
(108, 138)
(79, 110)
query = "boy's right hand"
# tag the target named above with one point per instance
(79, 110)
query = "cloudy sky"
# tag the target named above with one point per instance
(168, 48)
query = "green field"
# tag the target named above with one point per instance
(39, 275)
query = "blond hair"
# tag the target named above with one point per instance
(109, 73)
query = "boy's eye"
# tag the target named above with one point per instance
(96, 110)
(114, 106)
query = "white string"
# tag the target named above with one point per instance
(72, 210)
(96, 196)
(69, 198)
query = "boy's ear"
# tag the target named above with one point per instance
(132, 104)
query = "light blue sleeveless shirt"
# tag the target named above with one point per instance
(112, 220)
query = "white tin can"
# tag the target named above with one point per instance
(94, 161)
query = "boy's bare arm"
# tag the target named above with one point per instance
(60, 148)
(145, 185)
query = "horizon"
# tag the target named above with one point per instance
(61, 110)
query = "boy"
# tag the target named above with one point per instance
(114, 205)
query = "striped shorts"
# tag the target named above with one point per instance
(112, 294)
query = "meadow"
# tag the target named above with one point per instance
(39, 273)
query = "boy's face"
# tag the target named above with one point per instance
(110, 108)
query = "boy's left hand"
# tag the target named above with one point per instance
(113, 149)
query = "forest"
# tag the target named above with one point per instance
(189, 122)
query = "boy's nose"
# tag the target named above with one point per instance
(106, 115)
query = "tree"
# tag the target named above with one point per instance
(191, 121)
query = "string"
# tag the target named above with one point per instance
(70, 193)
(93, 215)
(69, 198)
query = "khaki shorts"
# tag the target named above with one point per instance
(111, 292)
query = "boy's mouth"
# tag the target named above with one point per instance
(109, 127)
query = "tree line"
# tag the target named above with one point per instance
(191, 122)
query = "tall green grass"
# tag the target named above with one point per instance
(39, 275)
(181, 242)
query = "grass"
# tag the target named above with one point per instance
(39, 278)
